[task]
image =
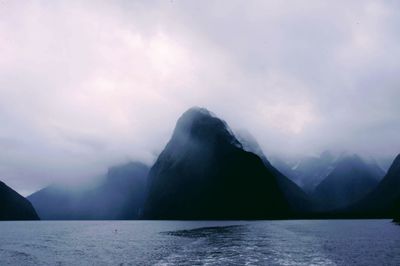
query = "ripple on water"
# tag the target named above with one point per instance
(367, 242)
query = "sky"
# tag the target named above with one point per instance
(88, 84)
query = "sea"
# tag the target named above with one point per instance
(292, 242)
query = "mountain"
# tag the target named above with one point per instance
(13, 206)
(350, 180)
(120, 195)
(204, 173)
(285, 168)
(384, 200)
(311, 170)
(297, 199)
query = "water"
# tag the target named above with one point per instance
(328, 242)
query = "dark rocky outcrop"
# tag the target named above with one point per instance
(13, 206)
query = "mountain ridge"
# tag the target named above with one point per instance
(119, 195)
(349, 181)
(204, 173)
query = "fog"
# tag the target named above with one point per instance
(84, 86)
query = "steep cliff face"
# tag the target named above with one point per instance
(13, 206)
(204, 173)
(298, 200)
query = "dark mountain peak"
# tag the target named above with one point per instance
(351, 179)
(348, 162)
(355, 167)
(199, 124)
(355, 163)
(204, 173)
(197, 111)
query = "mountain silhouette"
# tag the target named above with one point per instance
(120, 195)
(204, 173)
(384, 200)
(285, 168)
(351, 180)
(308, 171)
(298, 200)
(13, 206)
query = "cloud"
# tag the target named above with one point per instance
(87, 85)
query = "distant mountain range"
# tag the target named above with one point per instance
(350, 180)
(119, 196)
(208, 172)
(307, 171)
(13, 206)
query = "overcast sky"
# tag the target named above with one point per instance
(87, 85)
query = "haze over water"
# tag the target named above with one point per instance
(299, 242)
(112, 112)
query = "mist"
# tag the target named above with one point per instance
(84, 86)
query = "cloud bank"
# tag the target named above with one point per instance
(87, 85)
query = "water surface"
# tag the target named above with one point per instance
(299, 242)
